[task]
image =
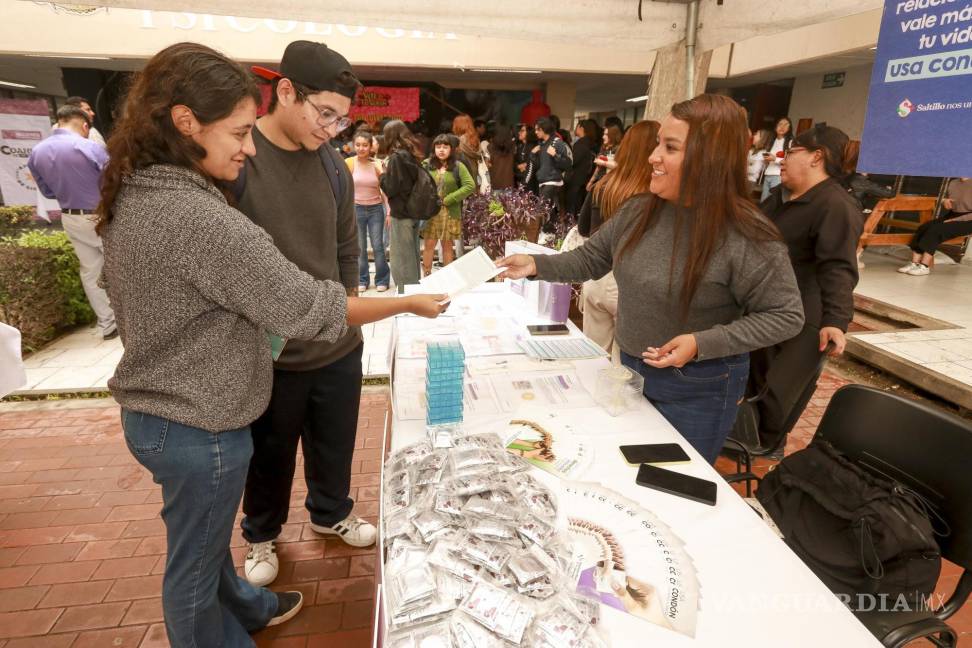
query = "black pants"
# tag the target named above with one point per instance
(788, 372)
(551, 193)
(933, 233)
(319, 408)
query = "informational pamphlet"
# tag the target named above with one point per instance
(465, 273)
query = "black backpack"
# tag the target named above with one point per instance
(859, 533)
(422, 202)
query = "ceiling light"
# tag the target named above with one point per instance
(13, 84)
(507, 70)
(637, 99)
(70, 56)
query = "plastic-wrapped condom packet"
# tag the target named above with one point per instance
(398, 480)
(435, 635)
(539, 589)
(492, 530)
(466, 486)
(404, 554)
(408, 456)
(491, 555)
(525, 568)
(471, 461)
(587, 608)
(397, 499)
(412, 586)
(452, 586)
(397, 524)
(431, 524)
(468, 633)
(482, 440)
(449, 560)
(427, 610)
(560, 623)
(535, 529)
(506, 462)
(482, 507)
(499, 610)
(448, 504)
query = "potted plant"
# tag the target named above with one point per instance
(506, 215)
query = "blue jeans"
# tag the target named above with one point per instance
(204, 601)
(700, 400)
(371, 222)
(769, 182)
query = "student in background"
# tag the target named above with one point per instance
(583, 153)
(369, 208)
(762, 140)
(605, 160)
(401, 171)
(955, 222)
(774, 155)
(501, 153)
(455, 184)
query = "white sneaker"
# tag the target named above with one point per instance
(906, 269)
(352, 529)
(919, 270)
(261, 565)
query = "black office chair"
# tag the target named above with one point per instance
(928, 451)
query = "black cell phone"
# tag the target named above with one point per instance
(654, 453)
(673, 483)
(547, 329)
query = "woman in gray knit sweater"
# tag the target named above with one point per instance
(703, 278)
(196, 287)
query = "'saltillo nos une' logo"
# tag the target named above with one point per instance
(905, 108)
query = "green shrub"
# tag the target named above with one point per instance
(40, 286)
(16, 218)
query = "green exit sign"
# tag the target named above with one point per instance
(833, 80)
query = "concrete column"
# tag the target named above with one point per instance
(666, 86)
(562, 97)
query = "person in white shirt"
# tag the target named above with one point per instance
(772, 157)
(83, 104)
(756, 163)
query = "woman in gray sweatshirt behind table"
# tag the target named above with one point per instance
(703, 278)
(196, 287)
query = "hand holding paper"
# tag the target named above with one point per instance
(465, 273)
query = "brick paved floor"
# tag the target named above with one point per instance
(81, 543)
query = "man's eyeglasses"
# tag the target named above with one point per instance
(795, 149)
(326, 116)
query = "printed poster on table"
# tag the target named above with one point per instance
(919, 108)
(23, 124)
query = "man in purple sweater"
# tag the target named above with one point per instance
(68, 166)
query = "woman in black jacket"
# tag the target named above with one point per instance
(584, 150)
(821, 225)
(526, 139)
(401, 170)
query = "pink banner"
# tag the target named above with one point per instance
(375, 103)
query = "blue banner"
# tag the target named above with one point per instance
(919, 110)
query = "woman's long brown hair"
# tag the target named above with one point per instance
(397, 136)
(713, 195)
(193, 75)
(632, 175)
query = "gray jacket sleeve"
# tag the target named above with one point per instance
(235, 264)
(763, 283)
(592, 260)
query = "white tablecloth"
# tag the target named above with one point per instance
(755, 591)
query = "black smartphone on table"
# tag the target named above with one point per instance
(547, 329)
(673, 483)
(654, 453)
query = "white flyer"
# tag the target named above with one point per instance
(465, 273)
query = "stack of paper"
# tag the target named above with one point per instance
(565, 349)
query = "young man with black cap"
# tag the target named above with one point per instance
(299, 190)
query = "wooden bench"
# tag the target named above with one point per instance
(883, 214)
